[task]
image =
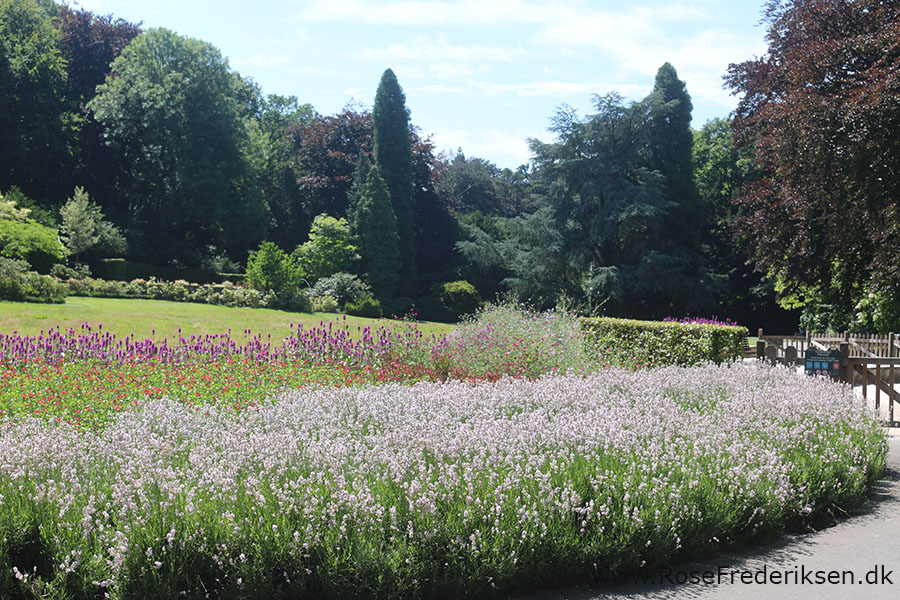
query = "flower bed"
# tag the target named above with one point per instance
(430, 490)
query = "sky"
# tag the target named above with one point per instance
(479, 75)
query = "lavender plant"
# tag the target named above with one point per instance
(431, 490)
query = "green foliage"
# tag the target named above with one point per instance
(392, 153)
(18, 283)
(657, 343)
(78, 230)
(271, 269)
(360, 174)
(364, 306)
(32, 80)
(24, 203)
(329, 250)
(182, 121)
(820, 118)
(459, 298)
(25, 238)
(378, 238)
(340, 287)
(601, 228)
(325, 304)
(220, 294)
(671, 141)
(514, 340)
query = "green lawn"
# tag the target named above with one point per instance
(142, 317)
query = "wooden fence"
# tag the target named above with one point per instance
(866, 360)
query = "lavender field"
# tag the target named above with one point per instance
(458, 487)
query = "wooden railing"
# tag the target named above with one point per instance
(866, 360)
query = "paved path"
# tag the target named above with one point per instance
(867, 541)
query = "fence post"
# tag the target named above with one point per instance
(891, 351)
(845, 354)
(760, 350)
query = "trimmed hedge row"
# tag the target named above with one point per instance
(660, 343)
(119, 269)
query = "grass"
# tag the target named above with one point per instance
(156, 319)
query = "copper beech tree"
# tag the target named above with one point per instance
(820, 113)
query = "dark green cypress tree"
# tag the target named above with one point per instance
(378, 238)
(671, 146)
(360, 174)
(393, 157)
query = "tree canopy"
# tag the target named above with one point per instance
(601, 233)
(820, 114)
(174, 111)
(392, 154)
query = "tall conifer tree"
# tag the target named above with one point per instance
(393, 157)
(378, 239)
(671, 144)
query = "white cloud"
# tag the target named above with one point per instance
(560, 90)
(503, 147)
(641, 40)
(424, 12)
(424, 48)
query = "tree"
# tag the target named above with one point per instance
(84, 228)
(33, 143)
(24, 238)
(470, 184)
(436, 231)
(277, 117)
(79, 223)
(599, 235)
(325, 151)
(379, 242)
(393, 156)
(721, 170)
(357, 183)
(88, 44)
(820, 115)
(671, 140)
(271, 269)
(183, 121)
(329, 250)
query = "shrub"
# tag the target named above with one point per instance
(458, 298)
(297, 301)
(364, 306)
(61, 271)
(18, 283)
(325, 304)
(663, 343)
(329, 249)
(29, 240)
(343, 287)
(270, 269)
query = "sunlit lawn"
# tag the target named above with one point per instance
(159, 318)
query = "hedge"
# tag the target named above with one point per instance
(119, 269)
(660, 343)
(225, 294)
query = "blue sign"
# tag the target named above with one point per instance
(823, 362)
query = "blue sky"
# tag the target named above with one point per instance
(481, 75)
